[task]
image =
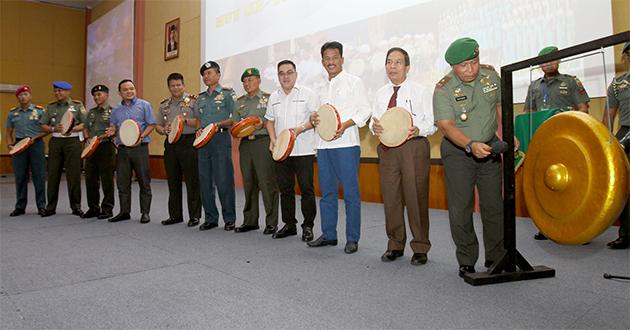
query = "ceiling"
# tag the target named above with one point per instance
(81, 4)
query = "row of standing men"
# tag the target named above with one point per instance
(465, 107)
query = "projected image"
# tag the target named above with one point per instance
(110, 51)
(507, 31)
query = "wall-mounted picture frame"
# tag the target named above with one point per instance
(171, 40)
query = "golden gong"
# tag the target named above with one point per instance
(575, 179)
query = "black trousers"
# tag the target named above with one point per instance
(133, 159)
(64, 153)
(180, 160)
(286, 172)
(99, 170)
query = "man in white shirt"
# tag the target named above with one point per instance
(289, 107)
(404, 170)
(338, 159)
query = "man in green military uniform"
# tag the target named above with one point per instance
(180, 158)
(23, 122)
(555, 91)
(257, 165)
(619, 103)
(99, 167)
(465, 106)
(64, 151)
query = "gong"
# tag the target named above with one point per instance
(575, 178)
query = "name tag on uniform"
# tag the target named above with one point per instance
(273, 105)
(299, 101)
(490, 88)
(461, 98)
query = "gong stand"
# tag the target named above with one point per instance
(512, 266)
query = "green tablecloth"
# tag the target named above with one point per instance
(524, 132)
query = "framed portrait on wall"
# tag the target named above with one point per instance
(171, 40)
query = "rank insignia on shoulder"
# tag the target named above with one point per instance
(443, 81)
(487, 66)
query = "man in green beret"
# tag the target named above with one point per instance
(257, 165)
(555, 91)
(465, 105)
(619, 103)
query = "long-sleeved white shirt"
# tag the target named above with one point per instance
(294, 110)
(410, 97)
(347, 94)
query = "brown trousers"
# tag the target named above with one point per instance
(404, 175)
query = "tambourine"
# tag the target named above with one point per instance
(21, 146)
(205, 136)
(130, 132)
(284, 145)
(396, 123)
(177, 127)
(90, 147)
(329, 122)
(67, 122)
(245, 127)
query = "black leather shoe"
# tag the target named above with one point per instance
(193, 222)
(41, 211)
(488, 263)
(419, 259)
(285, 231)
(229, 226)
(463, 270)
(351, 247)
(391, 255)
(47, 213)
(145, 218)
(245, 228)
(270, 230)
(619, 244)
(171, 221)
(307, 234)
(77, 212)
(105, 215)
(208, 226)
(540, 237)
(120, 217)
(321, 241)
(90, 214)
(17, 212)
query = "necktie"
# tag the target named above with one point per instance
(392, 100)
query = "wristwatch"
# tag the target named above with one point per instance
(468, 147)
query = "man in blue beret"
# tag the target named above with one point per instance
(465, 106)
(64, 150)
(22, 123)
